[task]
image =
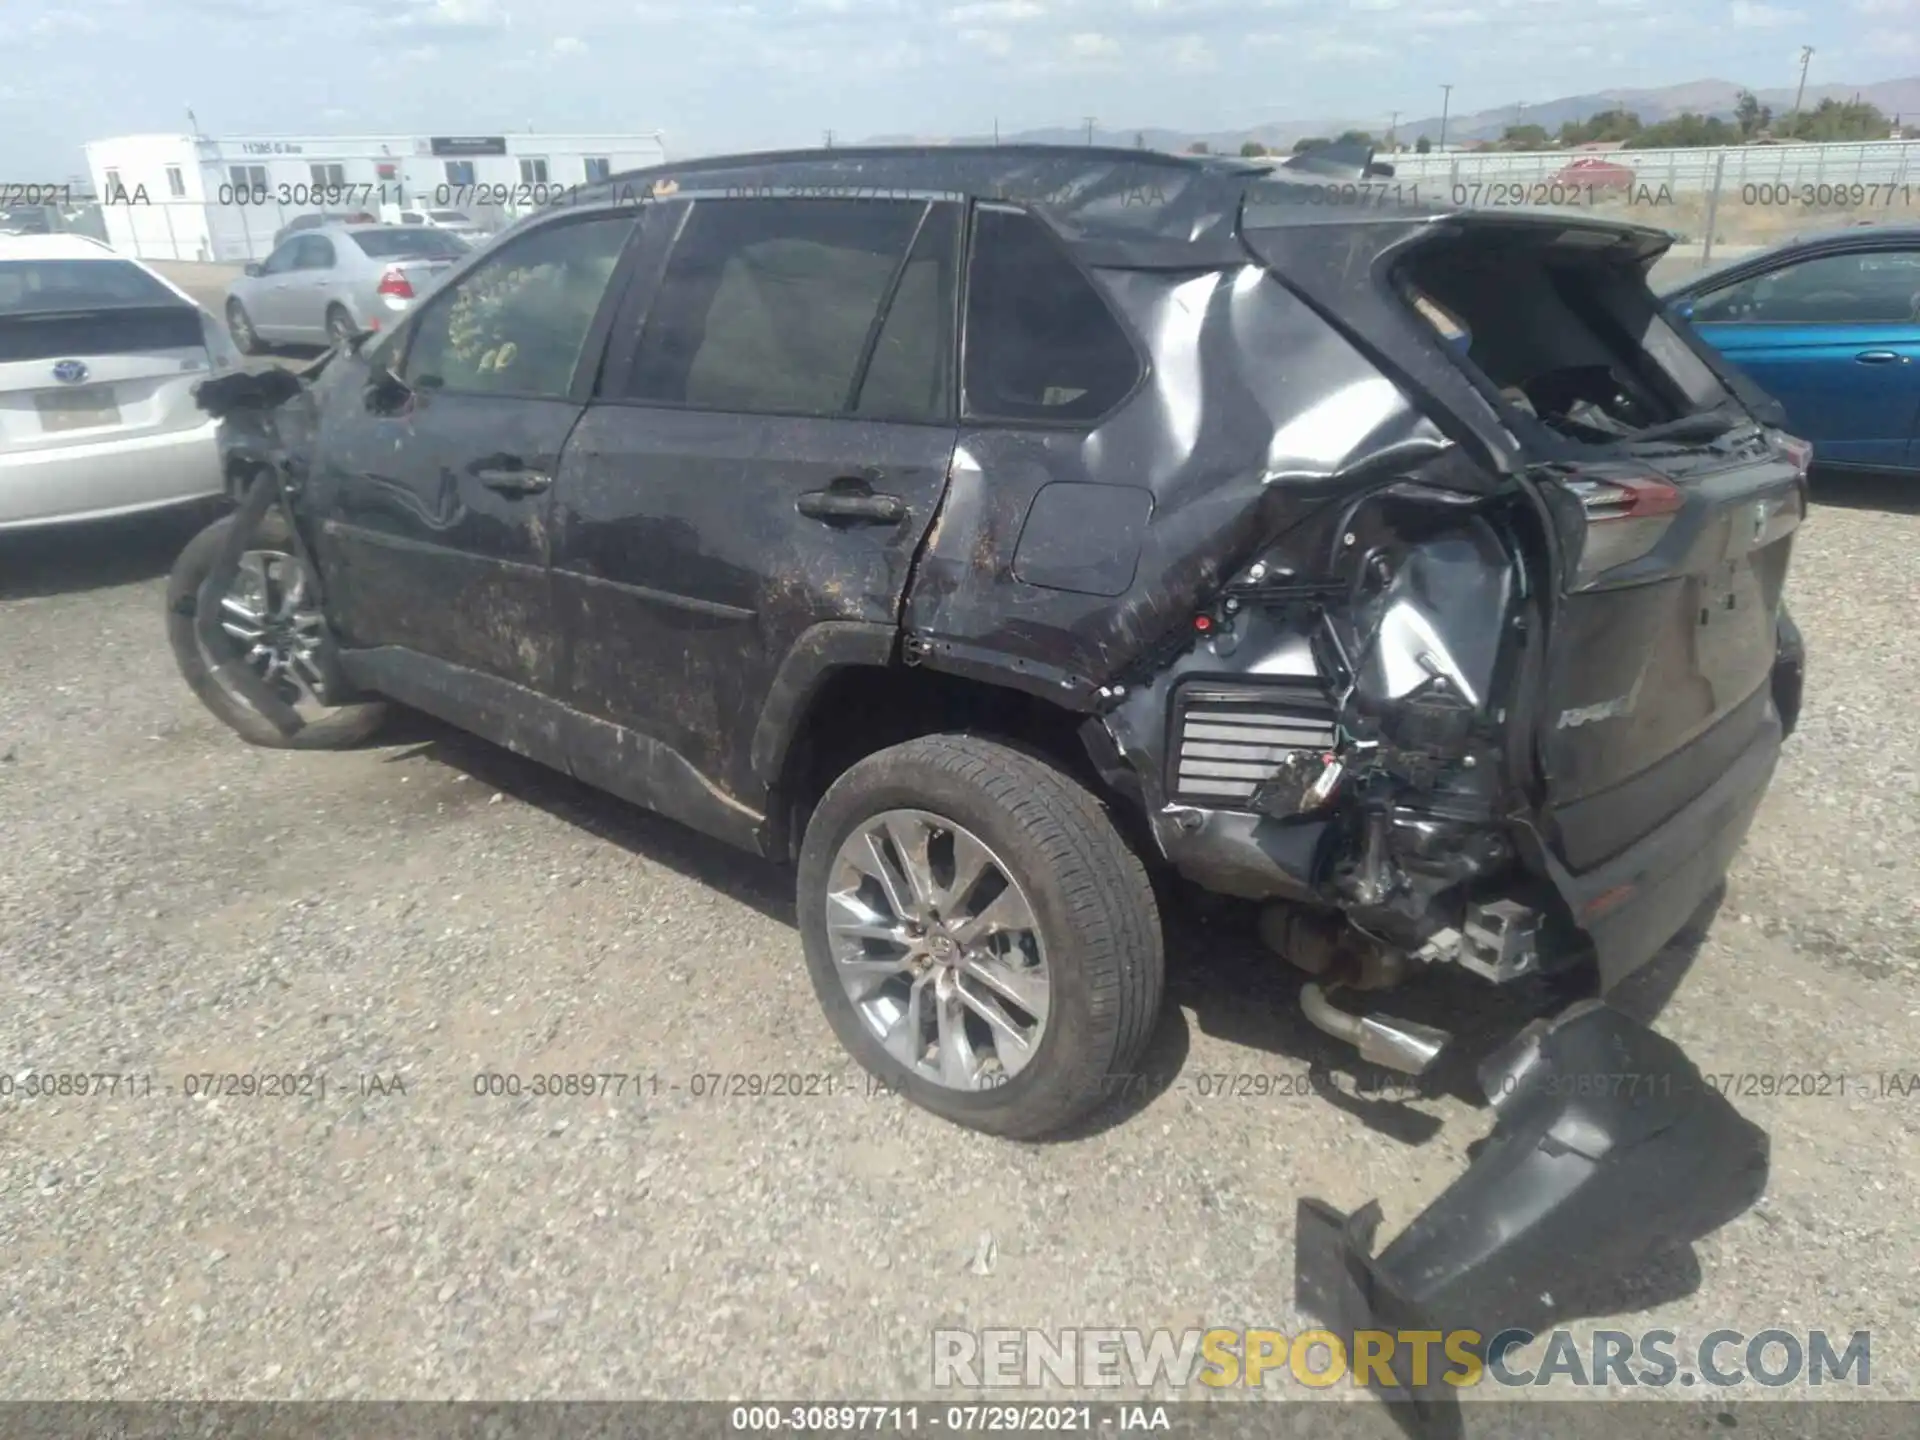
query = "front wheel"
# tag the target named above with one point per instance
(979, 934)
(269, 620)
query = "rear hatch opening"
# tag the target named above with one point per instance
(1560, 331)
(1673, 503)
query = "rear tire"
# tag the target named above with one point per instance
(334, 728)
(340, 327)
(240, 326)
(1086, 891)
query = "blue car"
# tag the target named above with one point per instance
(1829, 326)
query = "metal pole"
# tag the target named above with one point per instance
(1806, 56)
(1713, 208)
(1446, 103)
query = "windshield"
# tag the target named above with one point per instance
(397, 244)
(46, 286)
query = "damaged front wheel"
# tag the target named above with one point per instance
(269, 621)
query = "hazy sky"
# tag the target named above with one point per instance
(778, 72)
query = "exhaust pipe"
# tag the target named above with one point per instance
(1399, 1045)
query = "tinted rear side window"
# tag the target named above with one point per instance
(767, 305)
(1041, 343)
(910, 376)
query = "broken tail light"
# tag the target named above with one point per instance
(1625, 520)
(396, 284)
(1799, 451)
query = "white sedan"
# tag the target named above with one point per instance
(99, 357)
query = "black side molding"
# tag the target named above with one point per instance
(821, 649)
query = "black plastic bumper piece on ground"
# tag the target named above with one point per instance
(228, 669)
(1610, 1150)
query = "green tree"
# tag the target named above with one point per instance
(1750, 115)
(1686, 130)
(1604, 126)
(1837, 120)
(1312, 142)
(1525, 137)
(1252, 148)
(1354, 137)
(1422, 146)
(1199, 147)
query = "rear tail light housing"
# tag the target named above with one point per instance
(1626, 518)
(1799, 451)
(396, 284)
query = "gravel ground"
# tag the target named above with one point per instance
(173, 902)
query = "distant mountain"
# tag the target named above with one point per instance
(1703, 97)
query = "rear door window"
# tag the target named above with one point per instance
(313, 252)
(910, 376)
(769, 306)
(1041, 343)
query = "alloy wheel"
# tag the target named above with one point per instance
(268, 614)
(939, 949)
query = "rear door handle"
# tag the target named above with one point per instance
(851, 505)
(514, 481)
(1879, 357)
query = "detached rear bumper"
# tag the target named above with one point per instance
(1633, 904)
(1610, 1150)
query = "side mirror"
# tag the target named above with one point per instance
(1684, 308)
(253, 267)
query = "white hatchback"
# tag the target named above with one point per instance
(99, 358)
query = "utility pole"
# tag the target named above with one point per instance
(1089, 132)
(829, 137)
(996, 129)
(1393, 124)
(1446, 103)
(1806, 57)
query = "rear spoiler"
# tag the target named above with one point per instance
(1351, 161)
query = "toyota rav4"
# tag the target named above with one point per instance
(986, 528)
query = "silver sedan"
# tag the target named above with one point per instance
(328, 284)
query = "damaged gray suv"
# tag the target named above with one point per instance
(985, 529)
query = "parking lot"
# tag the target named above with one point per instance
(412, 918)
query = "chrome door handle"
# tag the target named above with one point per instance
(1880, 357)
